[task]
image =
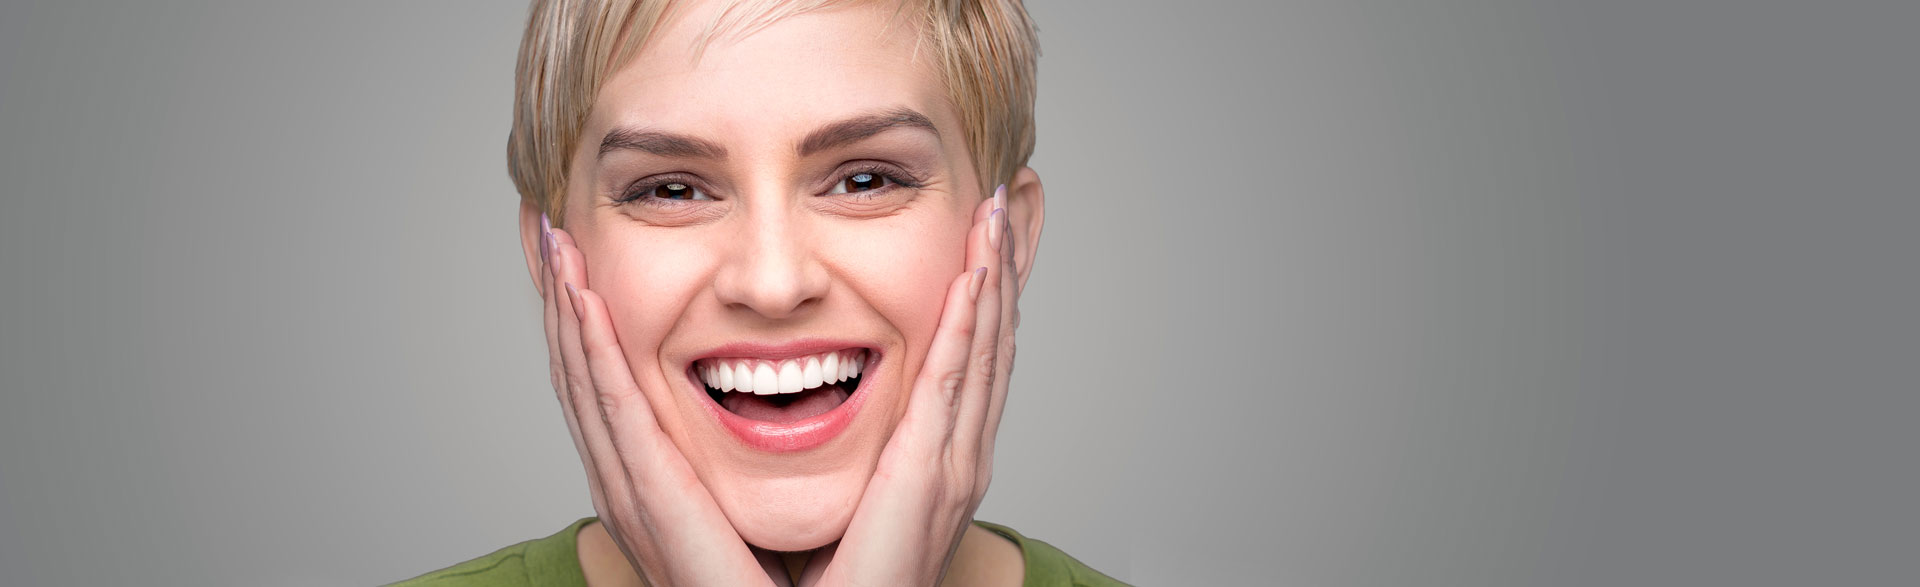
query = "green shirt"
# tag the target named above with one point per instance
(555, 561)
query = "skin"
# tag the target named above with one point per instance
(765, 247)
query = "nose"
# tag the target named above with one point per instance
(771, 268)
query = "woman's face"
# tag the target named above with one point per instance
(800, 194)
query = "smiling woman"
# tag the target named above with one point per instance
(780, 248)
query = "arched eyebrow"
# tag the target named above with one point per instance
(858, 128)
(664, 144)
(830, 135)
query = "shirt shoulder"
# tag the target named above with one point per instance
(553, 560)
(1050, 567)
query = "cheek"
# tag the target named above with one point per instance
(902, 270)
(647, 286)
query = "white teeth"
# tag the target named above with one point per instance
(790, 378)
(794, 375)
(742, 377)
(765, 382)
(810, 375)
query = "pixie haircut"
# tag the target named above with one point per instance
(987, 52)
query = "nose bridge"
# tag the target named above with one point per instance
(770, 269)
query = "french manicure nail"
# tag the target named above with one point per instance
(973, 285)
(993, 229)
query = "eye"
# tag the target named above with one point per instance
(675, 190)
(663, 191)
(863, 181)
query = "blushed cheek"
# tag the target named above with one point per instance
(648, 288)
(904, 272)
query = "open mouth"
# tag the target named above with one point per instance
(786, 390)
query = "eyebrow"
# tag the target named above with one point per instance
(836, 134)
(860, 127)
(664, 144)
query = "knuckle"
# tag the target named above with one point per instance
(610, 404)
(577, 383)
(983, 362)
(950, 384)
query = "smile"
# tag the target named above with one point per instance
(778, 399)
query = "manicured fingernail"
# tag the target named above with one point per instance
(973, 285)
(993, 229)
(553, 247)
(574, 296)
(1000, 197)
(546, 224)
(544, 250)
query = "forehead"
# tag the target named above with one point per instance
(778, 80)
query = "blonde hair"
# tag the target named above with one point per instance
(987, 51)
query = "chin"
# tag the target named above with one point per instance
(797, 513)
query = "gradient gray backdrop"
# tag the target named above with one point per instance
(1343, 293)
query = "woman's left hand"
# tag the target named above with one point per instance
(935, 469)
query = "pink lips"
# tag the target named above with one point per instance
(787, 436)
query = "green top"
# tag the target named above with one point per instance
(555, 561)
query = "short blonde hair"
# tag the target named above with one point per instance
(987, 52)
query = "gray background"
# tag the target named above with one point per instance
(1462, 292)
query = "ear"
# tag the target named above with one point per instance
(531, 233)
(1027, 211)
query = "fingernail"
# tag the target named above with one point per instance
(993, 229)
(546, 224)
(973, 285)
(1000, 197)
(553, 246)
(545, 233)
(574, 296)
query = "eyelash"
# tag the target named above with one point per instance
(639, 191)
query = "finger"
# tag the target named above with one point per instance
(977, 394)
(551, 297)
(1004, 354)
(631, 424)
(611, 473)
(928, 423)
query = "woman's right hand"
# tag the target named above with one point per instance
(645, 492)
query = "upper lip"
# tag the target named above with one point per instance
(774, 351)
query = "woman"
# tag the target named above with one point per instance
(780, 287)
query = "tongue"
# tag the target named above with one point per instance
(785, 408)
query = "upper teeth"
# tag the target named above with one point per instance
(764, 377)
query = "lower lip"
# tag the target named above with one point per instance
(790, 436)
